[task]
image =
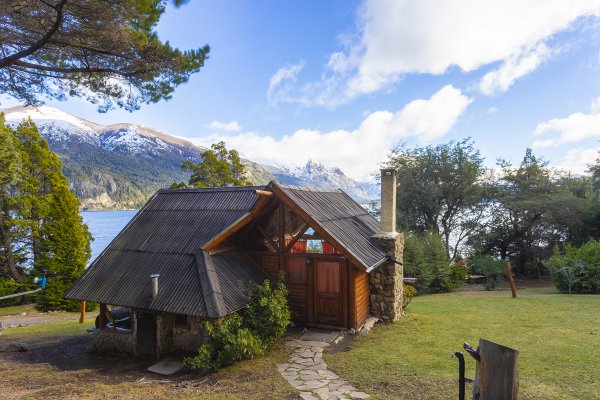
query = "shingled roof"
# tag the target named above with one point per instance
(165, 237)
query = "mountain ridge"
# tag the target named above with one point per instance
(119, 166)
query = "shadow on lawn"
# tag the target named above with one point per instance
(75, 353)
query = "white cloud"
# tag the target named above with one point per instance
(573, 128)
(357, 152)
(398, 37)
(578, 160)
(515, 67)
(231, 126)
(281, 83)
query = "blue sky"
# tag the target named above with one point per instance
(343, 82)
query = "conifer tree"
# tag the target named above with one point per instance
(10, 166)
(58, 241)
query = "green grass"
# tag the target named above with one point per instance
(558, 337)
(60, 328)
(13, 310)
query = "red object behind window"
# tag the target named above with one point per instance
(328, 248)
(299, 247)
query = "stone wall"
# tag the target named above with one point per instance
(121, 342)
(170, 336)
(164, 333)
(386, 281)
(190, 336)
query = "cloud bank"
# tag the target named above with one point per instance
(357, 152)
(398, 37)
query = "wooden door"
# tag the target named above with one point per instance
(328, 293)
(296, 282)
(146, 334)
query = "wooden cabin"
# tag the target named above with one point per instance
(192, 254)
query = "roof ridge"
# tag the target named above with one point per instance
(211, 288)
(211, 189)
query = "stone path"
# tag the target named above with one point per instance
(307, 371)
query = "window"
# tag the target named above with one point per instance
(115, 319)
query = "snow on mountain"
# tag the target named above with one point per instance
(121, 165)
(320, 176)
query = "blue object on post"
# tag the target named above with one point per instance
(42, 281)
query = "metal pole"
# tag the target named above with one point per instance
(19, 294)
(461, 374)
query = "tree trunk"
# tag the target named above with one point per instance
(497, 375)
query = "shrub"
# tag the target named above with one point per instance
(202, 362)
(488, 266)
(267, 314)
(576, 270)
(459, 270)
(408, 292)
(425, 258)
(245, 334)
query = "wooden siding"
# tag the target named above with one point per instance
(361, 297)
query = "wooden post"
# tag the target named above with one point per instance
(496, 376)
(508, 269)
(82, 315)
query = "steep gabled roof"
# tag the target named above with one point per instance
(168, 234)
(342, 220)
(165, 237)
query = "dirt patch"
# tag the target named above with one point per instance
(67, 368)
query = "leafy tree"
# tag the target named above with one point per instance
(532, 209)
(577, 270)
(492, 268)
(106, 52)
(219, 167)
(440, 190)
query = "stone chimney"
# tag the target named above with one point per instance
(385, 282)
(388, 200)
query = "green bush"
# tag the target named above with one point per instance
(245, 334)
(488, 266)
(576, 270)
(202, 362)
(408, 292)
(425, 258)
(267, 314)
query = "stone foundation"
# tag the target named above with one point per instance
(386, 281)
(190, 336)
(171, 335)
(121, 342)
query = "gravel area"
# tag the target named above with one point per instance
(38, 318)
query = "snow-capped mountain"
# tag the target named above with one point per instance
(121, 165)
(320, 176)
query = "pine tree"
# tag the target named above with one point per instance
(106, 52)
(10, 165)
(219, 167)
(58, 241)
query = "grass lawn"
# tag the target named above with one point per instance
(13, 310)
(558, 337)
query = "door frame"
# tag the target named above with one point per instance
(311, 287)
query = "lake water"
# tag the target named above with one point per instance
(104, 226)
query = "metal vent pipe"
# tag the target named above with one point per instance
(154, 278)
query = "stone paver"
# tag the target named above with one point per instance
(307, 371)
